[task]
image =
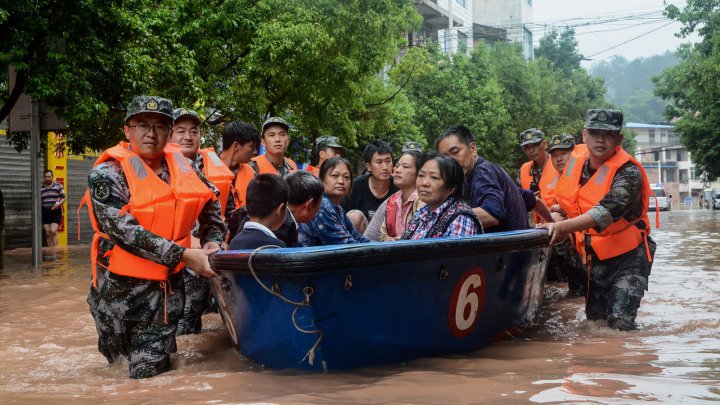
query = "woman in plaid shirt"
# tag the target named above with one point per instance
(439, 185)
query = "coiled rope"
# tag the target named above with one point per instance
(308, 291)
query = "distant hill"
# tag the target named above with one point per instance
(630, 86)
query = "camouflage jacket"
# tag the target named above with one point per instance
(127, 297)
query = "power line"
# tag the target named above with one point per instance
(630, 40)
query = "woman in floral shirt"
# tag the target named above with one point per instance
(331, 226)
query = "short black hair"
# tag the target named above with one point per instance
(241, 132)
(264, 194)
(48, 171)
(376, 146)
(302, 187)
(416, 155)
(330, 164)
(450, 171)
(462, 132)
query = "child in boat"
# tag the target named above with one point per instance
(267, 197)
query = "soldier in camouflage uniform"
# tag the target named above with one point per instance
(616, 227)
(136, 318)
(187, 133)
(564, 257)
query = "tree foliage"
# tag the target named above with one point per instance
(630, 86)
(309, 60)
(561, 50)
(693, 85)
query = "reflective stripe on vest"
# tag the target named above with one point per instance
(167, 210)
(218, 174)
(265, 166)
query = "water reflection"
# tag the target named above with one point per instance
(48, 347)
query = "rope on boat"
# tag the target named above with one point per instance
(308, 291)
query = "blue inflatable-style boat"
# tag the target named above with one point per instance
(360, 305)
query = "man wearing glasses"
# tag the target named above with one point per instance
(143, 200)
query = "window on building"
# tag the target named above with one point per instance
(668, 154)
(681, 155)
(669, 175)
(529, 3)
(460, 2)
(651, 136)
(527, 43)
(657, 156)
(683, 176)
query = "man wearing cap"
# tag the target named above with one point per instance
(143, 201)
(186, 134)
(275, 139)
(326, 147)
(564, 262)
(537, 173)
(605, 195)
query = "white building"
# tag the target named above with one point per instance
(665, 160)
(474, 21)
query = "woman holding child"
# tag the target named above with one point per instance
(331, 226)
(439, 185)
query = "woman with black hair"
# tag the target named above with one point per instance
(331, 226)
(439, 185)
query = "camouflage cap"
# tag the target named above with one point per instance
(409, 146)
(185, 113)
(274, 121)
(532, 135)
(322, 142)
(562, 141)
(149, 105)
(610, 120)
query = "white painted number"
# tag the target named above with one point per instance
(465, 317)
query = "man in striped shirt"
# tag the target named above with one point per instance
(53, 197)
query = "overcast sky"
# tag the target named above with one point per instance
(601, 25)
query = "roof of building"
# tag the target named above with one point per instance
(642, 125)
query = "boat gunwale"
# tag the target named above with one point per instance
(274, 261)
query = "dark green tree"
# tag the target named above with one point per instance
(693, 85)
(561, 49)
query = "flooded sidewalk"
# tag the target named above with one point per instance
(48, 346)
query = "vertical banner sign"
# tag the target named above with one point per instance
(57, 162)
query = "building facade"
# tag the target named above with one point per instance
(666, 161)
(474, 22)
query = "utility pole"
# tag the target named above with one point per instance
(35, 184)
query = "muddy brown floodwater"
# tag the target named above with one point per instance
(48, 351)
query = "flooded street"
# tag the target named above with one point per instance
(48, 346)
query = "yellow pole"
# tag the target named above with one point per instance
(57, 162)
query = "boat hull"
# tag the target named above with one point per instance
(380, 303)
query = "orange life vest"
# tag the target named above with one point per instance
(621, 236)
(265, 166)
(167, 210)
(244, 174)
(547, 177)
(314, 170)
(218, 174)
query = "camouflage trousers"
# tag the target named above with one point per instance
(197, 299)
(130, 319)
(565, 265)
(617, 285)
